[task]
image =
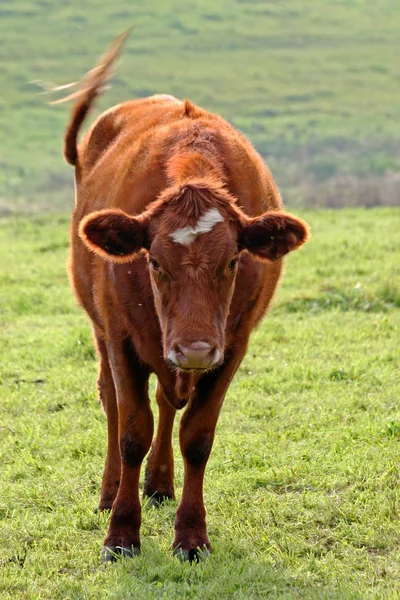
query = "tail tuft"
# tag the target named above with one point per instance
(91, 86)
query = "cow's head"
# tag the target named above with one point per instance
(193, 237)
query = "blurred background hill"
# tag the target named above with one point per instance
(315, 85)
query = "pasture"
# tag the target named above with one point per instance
(303, 485)
(315, 86)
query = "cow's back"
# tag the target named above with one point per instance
(122, 157)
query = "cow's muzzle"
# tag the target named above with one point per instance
(194, 355)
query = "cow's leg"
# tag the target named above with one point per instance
(159, 478)
(135, 425)
(112, 468)
(196, 437)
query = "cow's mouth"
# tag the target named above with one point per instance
(179, 369)
(205, 370)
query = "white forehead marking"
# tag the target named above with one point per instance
(186, 235)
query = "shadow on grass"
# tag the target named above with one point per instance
(231, 571)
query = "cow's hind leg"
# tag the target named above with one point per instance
(159, 478)
(135, 433)
(112, 468)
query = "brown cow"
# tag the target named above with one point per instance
(176, 244)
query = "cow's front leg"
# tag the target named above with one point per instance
(196, 436)
(135, 430)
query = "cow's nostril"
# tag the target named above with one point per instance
(196, 355)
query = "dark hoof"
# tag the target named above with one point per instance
(113, 553)
(105, 504)
(101, 509)
(194, 555)
(157, 499)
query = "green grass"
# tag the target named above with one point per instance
(302, 488)
(313, 84)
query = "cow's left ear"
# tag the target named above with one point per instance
(272, 235)
(114, 235)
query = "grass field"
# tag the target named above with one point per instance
(302, 488)
(315, 85)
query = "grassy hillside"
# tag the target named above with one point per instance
(315, 85)
(302, 488)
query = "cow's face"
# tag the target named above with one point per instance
(193, 260)
(192, 270)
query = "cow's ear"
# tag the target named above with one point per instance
(272, 235)
(114, 235)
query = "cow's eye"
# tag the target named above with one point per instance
(232, 264)
(155, 264)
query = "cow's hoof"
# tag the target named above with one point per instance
(113, 553)
(106, 502)
(157, 499)
(194, 555)
(105, 506)
(102, 508)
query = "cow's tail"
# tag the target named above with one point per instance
(90, 87)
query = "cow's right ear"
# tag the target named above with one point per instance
(114, 235)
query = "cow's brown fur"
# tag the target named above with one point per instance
(144, 169)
